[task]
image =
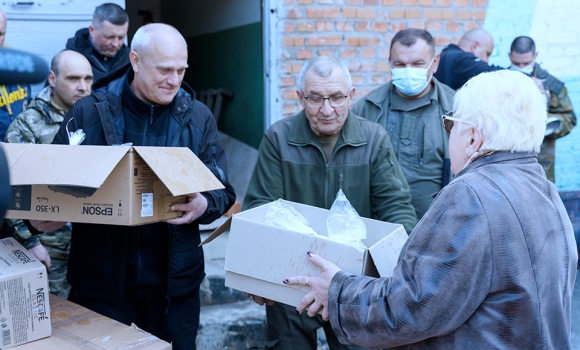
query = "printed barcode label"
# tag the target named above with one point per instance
(146, 204)
(6, 337)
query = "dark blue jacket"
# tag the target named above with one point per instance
(81, 44)
(98, 255)
(456, 67)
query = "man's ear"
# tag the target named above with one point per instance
(351, 96)
(301, 98)
(91, 30)
(435, 64)
(134, 58)
(475, 141)
(536, 55)
(473, 47)
(51, 79)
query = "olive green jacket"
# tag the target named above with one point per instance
(425, 171)
(559, 106)
(291, 165)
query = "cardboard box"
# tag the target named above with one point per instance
(24, 308)
(75, 327)
(117, 185)
(259, 256)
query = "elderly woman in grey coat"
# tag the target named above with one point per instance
(492, 264)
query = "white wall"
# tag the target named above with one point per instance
(556, 31)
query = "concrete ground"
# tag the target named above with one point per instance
(575, 337)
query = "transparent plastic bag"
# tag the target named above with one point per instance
(344, 224)
(283, 215)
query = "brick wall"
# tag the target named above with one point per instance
(359, 32)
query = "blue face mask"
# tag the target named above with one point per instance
(411, 81)
(527, 69)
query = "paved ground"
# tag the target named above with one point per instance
(575, 338)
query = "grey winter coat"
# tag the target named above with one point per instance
(491, 265)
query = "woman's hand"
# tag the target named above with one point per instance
(317, 298)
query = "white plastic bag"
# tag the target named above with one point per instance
(283, 215)
(77, 137)
(344, 224)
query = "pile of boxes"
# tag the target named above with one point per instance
(125, 185)
(118, 185)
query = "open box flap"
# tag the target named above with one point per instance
(385, 253)
(64, 165)
(225, 227)
(179, 169)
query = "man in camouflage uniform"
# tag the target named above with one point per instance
(70, 79)
(523, 58)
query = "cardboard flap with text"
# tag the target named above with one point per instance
(174, 164)
(83, 166)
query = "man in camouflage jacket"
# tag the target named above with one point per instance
(69, 80)
(523, 58)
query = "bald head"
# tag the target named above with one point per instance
(156, 34)
(67, 58)
(2, 27)
(159, 59)
(478, 42)
(70, 78)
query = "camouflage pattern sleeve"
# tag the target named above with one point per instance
(20, 131)
(21, 233)
(561, 108)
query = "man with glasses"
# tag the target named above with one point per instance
(410, 108)
(308, 157)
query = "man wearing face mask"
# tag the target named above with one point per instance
(468, 58)
(523, 59)
(410, 108)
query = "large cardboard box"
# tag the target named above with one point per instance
(260, 256)
(75, 327)
(116, 185)
(24, 308)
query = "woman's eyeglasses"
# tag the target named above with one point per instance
(448, 120)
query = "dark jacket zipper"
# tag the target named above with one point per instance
(139, 263)
(144, 140)
(167, 297)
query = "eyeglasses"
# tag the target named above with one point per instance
(318, 101)
(448, 120)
